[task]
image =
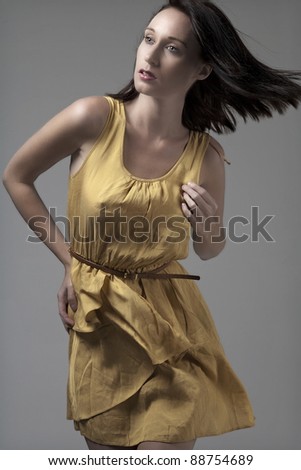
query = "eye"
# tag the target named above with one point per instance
(173, 49)
(147, 39)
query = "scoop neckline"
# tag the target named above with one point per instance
(159, 178)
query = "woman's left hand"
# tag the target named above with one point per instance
(198, 205)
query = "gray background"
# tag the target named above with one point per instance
(54, 52)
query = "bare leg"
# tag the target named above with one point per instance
(94, 446)
(153, 445)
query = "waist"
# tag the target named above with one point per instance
(133, 275)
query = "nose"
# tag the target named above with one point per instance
(153, 57)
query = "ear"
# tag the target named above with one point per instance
(204, 72)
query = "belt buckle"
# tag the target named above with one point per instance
(128, 275)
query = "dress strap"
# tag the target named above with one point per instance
(227, 161)
(218, 151)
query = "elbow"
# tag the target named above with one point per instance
(5, 179)
(214, 251)
(12, 178)
(8, 179)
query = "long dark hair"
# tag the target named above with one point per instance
(238, 83)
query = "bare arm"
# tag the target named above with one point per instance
(63, 135)
(206, 199)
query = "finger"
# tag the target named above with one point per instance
(188, 191)
(186, 210)
(63, 312)
(202, 192)
(194, 187)
(196, 196)
(197, 204)
(72, 300)
(197, 210)
(190, 202)
(188, 214)
(67, 321)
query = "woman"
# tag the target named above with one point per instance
(147, 369)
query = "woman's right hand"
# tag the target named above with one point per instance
(66, 296)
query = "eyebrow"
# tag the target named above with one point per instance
(170, 37)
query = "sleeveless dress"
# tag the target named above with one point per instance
(145, 360)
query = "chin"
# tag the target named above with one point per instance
(144, 89)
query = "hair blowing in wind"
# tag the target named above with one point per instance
(239, 84)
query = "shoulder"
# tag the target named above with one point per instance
(89, 114)
(213, 161)
(214, 150)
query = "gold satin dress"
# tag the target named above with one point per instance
(145, 360)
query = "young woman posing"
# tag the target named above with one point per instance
(147, 368)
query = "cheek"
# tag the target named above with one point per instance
(140, 51)
(181, 72)
(190, 69)
(137, 58)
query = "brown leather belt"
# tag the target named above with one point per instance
(132, 275)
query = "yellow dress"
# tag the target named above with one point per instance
(145, 360)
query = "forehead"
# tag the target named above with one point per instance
(173, 22)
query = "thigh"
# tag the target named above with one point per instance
(94, 446)
(154, 445)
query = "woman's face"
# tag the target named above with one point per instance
(168, 59)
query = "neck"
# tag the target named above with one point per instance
(157, 118)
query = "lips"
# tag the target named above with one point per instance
(147, 74)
